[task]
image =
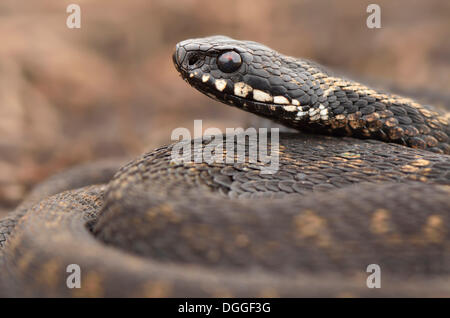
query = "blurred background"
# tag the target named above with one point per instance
(109, 89)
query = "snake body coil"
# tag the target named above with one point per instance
(335, 205)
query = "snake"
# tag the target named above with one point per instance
(362, 181)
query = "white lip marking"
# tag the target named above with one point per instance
(295, 102)
(301, 114)
(290, 108)
(205, 78)
(220, 84)
(280, 100)
(261, 96)
(241, 89)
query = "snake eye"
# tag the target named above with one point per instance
(229, 62)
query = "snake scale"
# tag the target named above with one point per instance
(364, 181)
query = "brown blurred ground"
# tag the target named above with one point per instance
(109, 88)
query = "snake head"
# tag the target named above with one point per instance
(249, 75)
(301, 94)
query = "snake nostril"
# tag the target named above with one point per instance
(193, 59)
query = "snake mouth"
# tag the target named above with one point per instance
(243, 96)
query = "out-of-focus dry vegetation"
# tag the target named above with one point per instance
(109, 88)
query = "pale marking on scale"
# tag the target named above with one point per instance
(301, 114)
(313, 111)
(242, 89)
(290, 108)
(281, 100)
(261, 96)
(220, 84)
(323, 113)
(205, 78)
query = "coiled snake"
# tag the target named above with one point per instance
(376, 192)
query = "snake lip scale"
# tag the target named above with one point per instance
(364, 181)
